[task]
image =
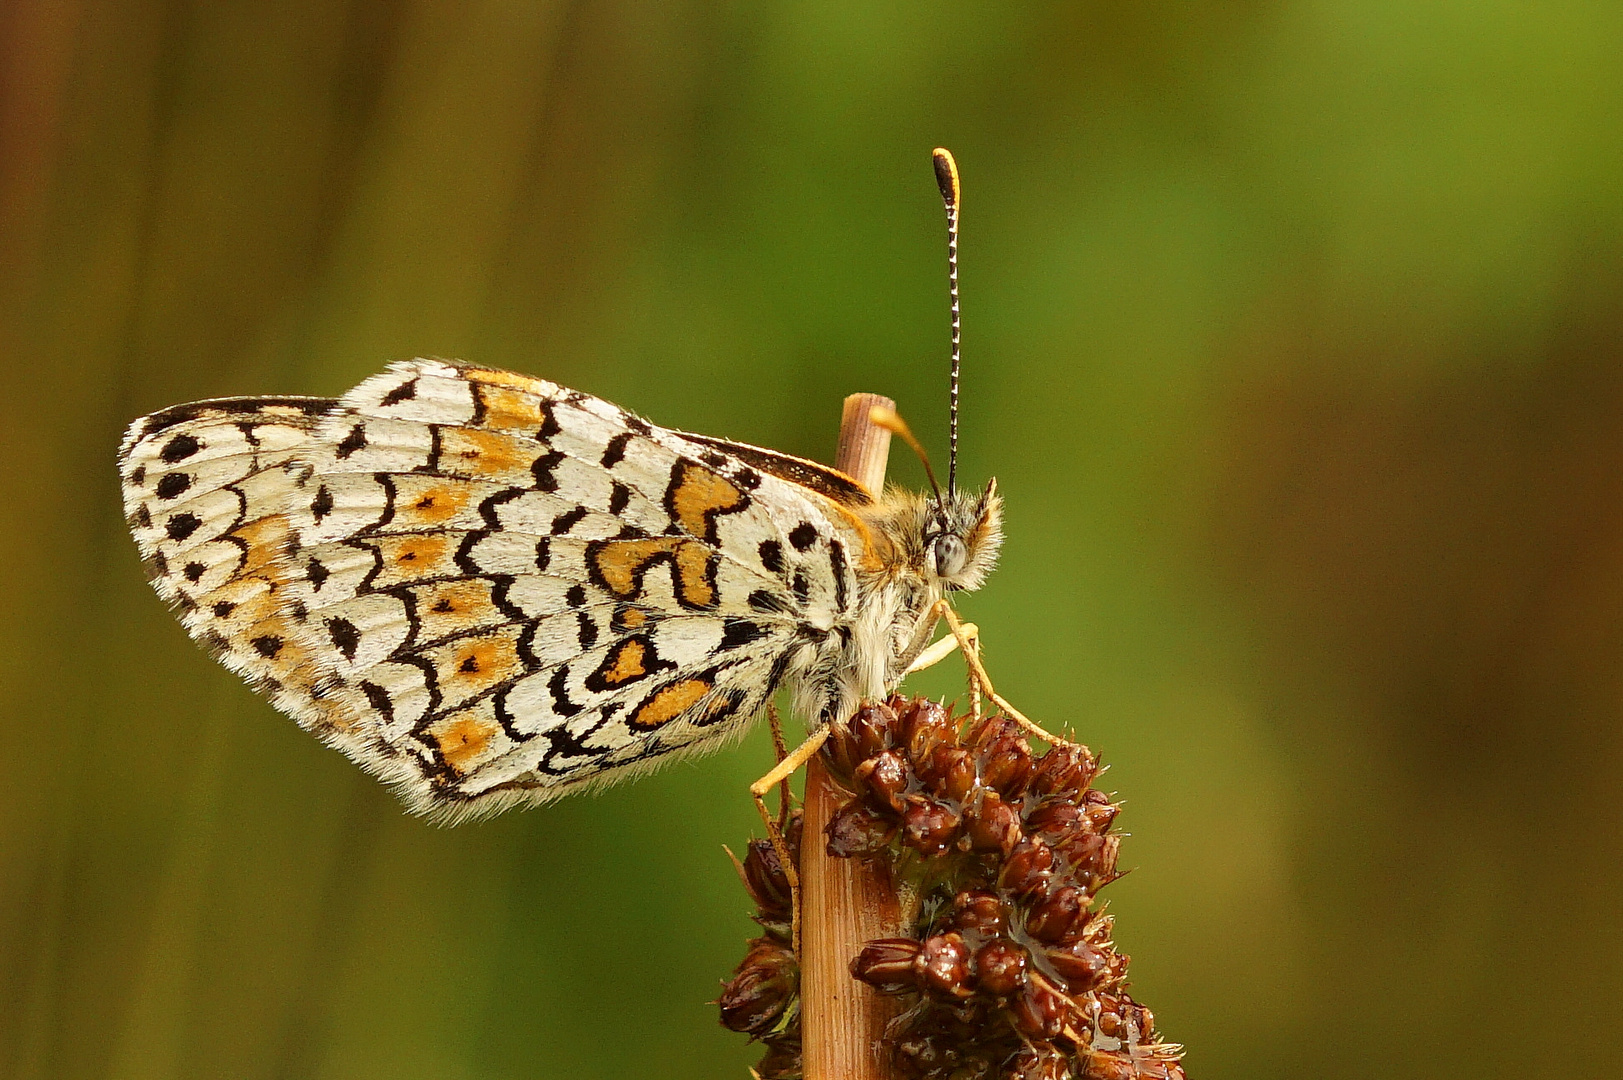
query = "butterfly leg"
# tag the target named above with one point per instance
(941, 650)
(970, 648)
(780, 774)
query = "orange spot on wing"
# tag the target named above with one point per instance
(693, 575)
(668, 703)
(484, 661)
(452, 606)
(433, 505)
(463, 738)
(267, 541)
(413, 557)
(511, 410)
(485, 453)
(697, 495)
(492, 377)
(620, 564)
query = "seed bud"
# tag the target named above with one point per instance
(855, 829)
(943, 966)
(1026, 870)
(1000, 966)
(888, 964)
(928, 825)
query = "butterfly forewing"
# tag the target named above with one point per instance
(485, 587)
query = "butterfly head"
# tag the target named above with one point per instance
(961, 536)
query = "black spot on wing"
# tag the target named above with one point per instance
(543, 467)
(549, 422)
(377, 695)
(803, 536)
(345, 637)
(194, 572)
(355, 440)
(763, 601)
(172, 485)
(267, 646)
(322, 504)
(615, 451)
(800, 587)
(772, 555)
(736, 633)
(180, 448)
(543, 553)
(587, 630)
(575, 597)
(404, 392)
(725, 705)
(619, 499)
(182, 525)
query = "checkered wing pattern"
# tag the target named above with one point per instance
(486, 588)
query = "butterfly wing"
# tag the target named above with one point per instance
(497, 589)
(206, 487)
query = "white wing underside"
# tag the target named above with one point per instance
(485, 588)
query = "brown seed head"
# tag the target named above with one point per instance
(943, 966)
(992, 824)
(884, 778)
(1059, 916)
(1039, 1061)
(1064, 770)
(929, 826)
(857, 829)
(1000, 966)
(887, 964)
(1039, 1011)
(1026, 871)
(978, 912)
(761, 989)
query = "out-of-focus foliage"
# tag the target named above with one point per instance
(1294, 338)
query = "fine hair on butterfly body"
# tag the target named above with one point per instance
(490, 590)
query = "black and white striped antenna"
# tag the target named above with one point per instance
(946, 177)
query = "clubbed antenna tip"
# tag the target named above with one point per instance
(946, 178)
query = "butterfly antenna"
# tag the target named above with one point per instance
(946, 178)
(892, 422)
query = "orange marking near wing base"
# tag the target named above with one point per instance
(668, 704)
(697, 495)
(628, 662)
(693, 584)
(622, 563)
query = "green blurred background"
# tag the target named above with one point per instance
(1293, 338)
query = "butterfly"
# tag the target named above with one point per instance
(490, 590)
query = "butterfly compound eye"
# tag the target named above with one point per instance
(950, 555)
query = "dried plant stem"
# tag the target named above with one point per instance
(846, 902)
